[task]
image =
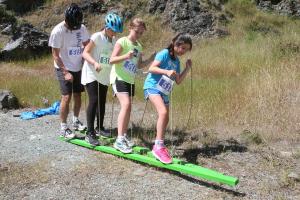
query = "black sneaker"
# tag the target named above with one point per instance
(92, 139)
(102, 132)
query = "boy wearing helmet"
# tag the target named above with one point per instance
(95, 74)
(67, 40)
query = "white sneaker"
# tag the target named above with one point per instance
(128, 141)
(78, 125)
(67, 133)
(122, 146)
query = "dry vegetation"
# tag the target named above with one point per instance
(246, 81)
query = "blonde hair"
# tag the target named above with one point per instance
(137, 22)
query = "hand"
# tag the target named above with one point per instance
(130, 54)
(171, 73)
(97, 67)
(188, 63)
(68, 77)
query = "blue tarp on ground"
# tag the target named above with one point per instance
(52, 110)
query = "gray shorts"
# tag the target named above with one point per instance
(67, 87)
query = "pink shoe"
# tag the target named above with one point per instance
(162, 154)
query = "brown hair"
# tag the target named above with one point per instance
(178, 40)
(137, 22)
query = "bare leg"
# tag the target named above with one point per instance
(163, 115)
(64, 107)
(124, 115)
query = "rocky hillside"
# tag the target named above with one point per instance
(22, 38)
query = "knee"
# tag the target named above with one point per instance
(126, 106)
(163, 113)
(66, 99)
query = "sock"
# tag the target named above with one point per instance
(119, 138)
(159, 143)
(63, 126)
(75, 118)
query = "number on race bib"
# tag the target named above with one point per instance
(130, 67)
(74, 51)
(165, 85)
(104, 60)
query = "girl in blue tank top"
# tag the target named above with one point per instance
(163, 73)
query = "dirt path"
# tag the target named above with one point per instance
(34, 164)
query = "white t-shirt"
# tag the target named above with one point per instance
(70, 45)
(101, 53)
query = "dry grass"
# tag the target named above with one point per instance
(30, 81)
(247, 81)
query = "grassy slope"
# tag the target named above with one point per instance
(248, 80)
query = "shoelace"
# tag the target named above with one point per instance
(68, 131)
(79, 123)
(165, 152)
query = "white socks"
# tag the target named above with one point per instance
(75, 119)
(63, 126)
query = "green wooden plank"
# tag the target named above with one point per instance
(144, 155)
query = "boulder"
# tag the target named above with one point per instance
(186, 16)
(26, 42)
(157, 6)
(96, 7)
(8, 100)
(21, 6)
(283, 7)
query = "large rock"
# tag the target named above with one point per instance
(283, 7)
(8, 100)
(96, 7)
(186, 16)
(26, 42)
(21, 6)
(157, 6)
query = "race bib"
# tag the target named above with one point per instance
(165, 85)
(74, 51)
(104, 59)
(129, 67)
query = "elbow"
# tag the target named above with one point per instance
(84, 55)
(151, 69)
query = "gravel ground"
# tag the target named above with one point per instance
(34, 164)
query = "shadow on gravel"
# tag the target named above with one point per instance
(210, 145)
(207, 184)
(210, 185)
(146, 136)
(212, 150)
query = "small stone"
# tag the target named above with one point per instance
(294, 176)
(286, 154)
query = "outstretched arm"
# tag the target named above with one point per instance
(180, 77)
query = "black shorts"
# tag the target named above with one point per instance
(67, 87)
(123, 87)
